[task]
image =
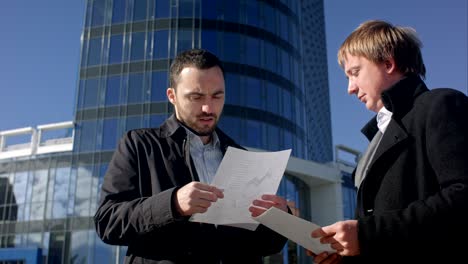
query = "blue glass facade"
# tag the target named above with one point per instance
(276, 98)
(275, 60)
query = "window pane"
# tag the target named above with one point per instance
(138, 46)
(62, 176)
(118, 11)
(253, 89)
(159, 85)
(273, 138)
(272, 98)
(88, 134)
(184, 40)
(139, 12)
(115, 53)
(91, 93)
(286, 104)
(83, 191)
(94, 52)
(252, 13)
(135, 88)
(209, 41)
(37, 211)
(157, 120)
(270, 55)
(160, 44)
(269, 14)
(19, 188)
(254, 134)
(113, 90)
(186, 8)
(286, 71)
(39, 185)
(231, 125)
(209, 9)
(109, 140)
(162, 8)
(253, 51)
(231, 47)
(233, 95)
(231, 11)
(98, 13)
(133, 122)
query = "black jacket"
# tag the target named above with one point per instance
(414, 200)
(137, 207)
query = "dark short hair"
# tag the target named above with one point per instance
(198, 58)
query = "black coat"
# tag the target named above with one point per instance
(414, 200)
(137, 207)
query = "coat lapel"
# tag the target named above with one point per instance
(392, 141)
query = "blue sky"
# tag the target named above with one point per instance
(40, 50)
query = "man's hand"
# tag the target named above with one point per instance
(342, 236)
(325, 257)
(196, 197)
(259, 206)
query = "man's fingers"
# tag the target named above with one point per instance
(256, 211)
(264, 204)
(274, 198)
(318, 233)
(209, 188)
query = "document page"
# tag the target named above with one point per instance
(294, 228)
(244, 176)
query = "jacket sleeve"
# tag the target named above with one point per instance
(124, 213)
(442, 215)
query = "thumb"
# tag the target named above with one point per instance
(319, 232)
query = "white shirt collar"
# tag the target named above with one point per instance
(383, 119)
(195, 141)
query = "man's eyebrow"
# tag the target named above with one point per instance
(348, 71)
(194, 93)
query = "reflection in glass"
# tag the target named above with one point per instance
(19, 186)
(37, 211)
(83, 191)
(39, 185)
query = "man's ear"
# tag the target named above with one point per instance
(390, 66)
(170, 92)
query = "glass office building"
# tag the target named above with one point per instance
(275, 60)
(277, 98)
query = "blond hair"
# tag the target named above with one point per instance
(379, 41)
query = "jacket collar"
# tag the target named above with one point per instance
(173, 128)
(398, 99)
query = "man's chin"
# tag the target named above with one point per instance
(204, 131)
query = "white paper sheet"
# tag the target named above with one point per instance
(294, 228)
(244, 176)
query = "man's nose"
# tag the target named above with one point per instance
(206, 108)
(352, 88)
